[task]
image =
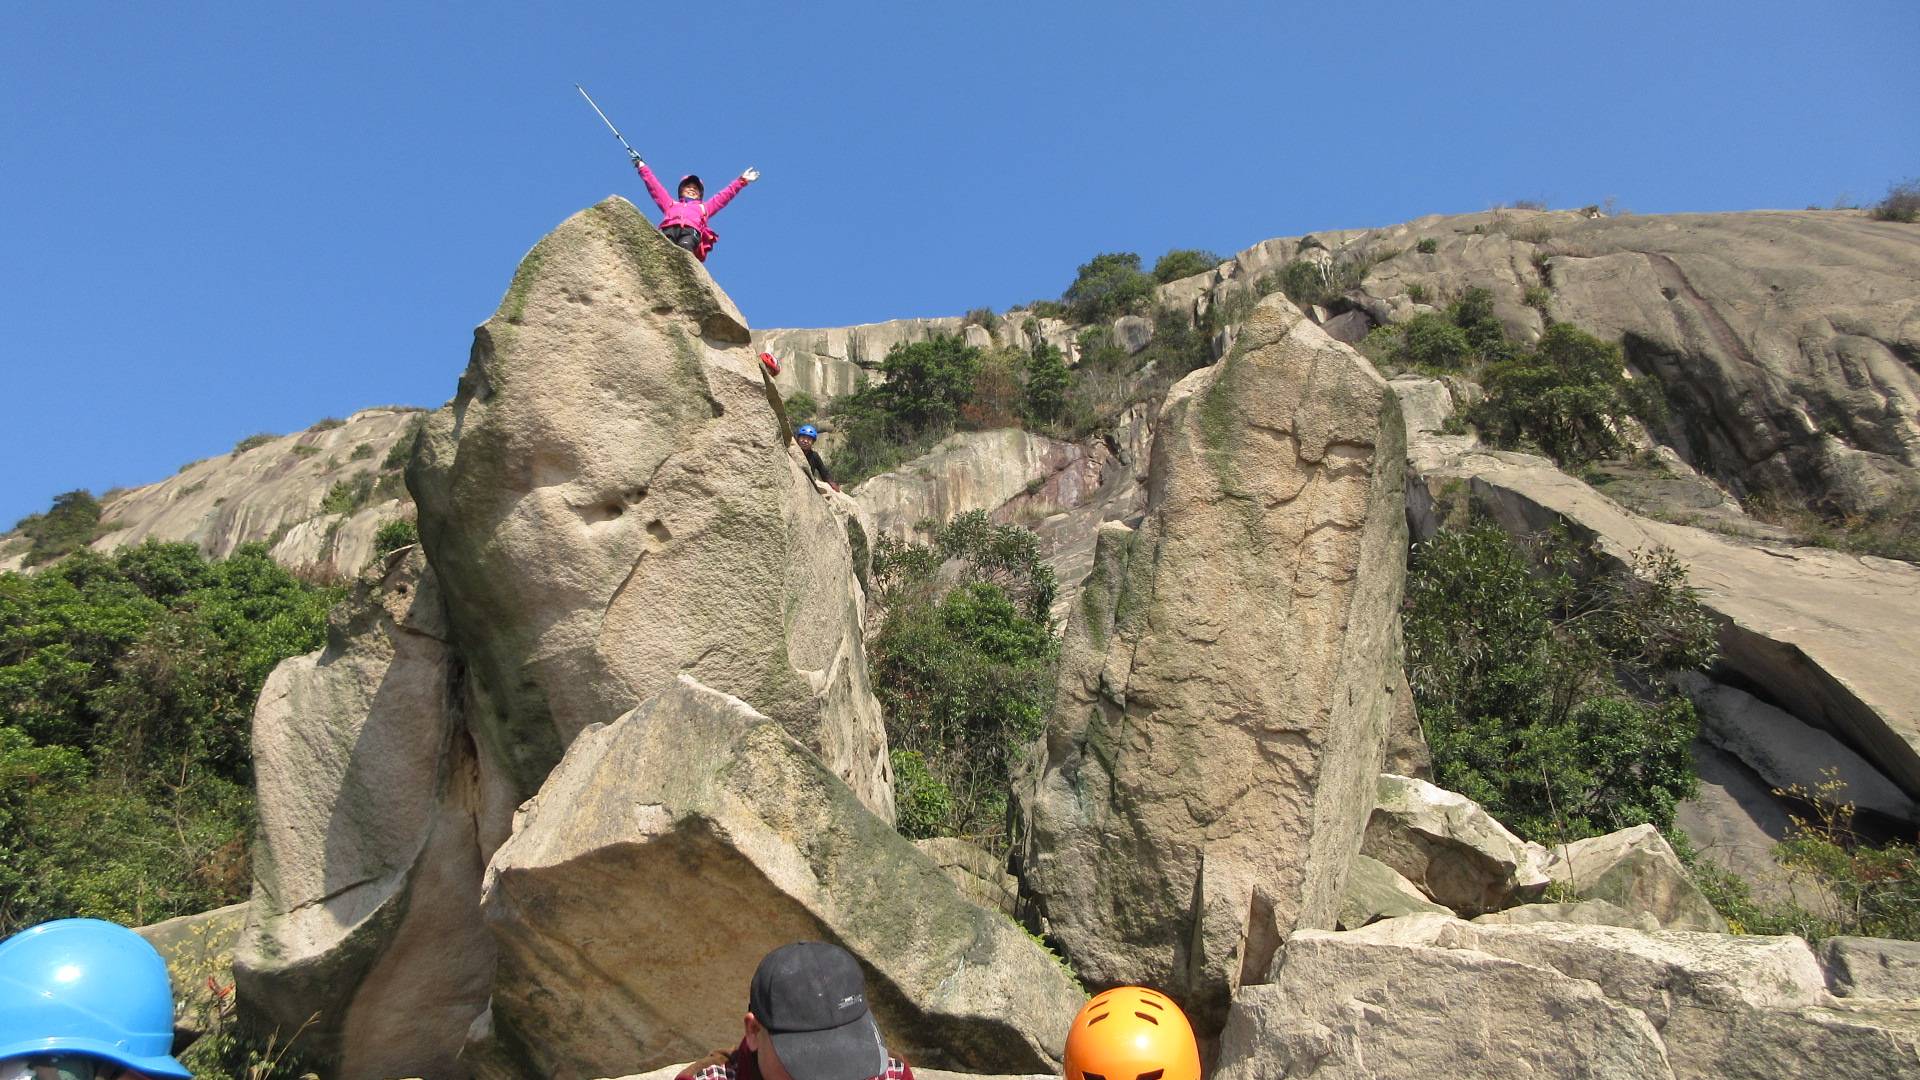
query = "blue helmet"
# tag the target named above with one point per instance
(808, 430)
(84, 986)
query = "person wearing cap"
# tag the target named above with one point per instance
(83, 999)
(807, 1019)
(805, 435)
(684, 220)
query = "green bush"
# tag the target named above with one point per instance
(361, 452)
(1047, 379)
(1307, 282)
(348, 495)
(983, 317)
(965, 676)
(252, 442)
(402, 450)
(1902, 203)
(1108, 287)
(1539, 679)
(70, 524)
(328, 424)
(395, 535)
(1430, 340)
(883, 423)
(1184, 263)
(1569, 396)
(1427, 246)
(1417, 292)
(127, 686)
(802, 407)
(922, 804)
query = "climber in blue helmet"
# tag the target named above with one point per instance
(805, 435)
(82, 999)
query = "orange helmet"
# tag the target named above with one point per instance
(1132, 1033)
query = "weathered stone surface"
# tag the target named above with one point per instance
(1789, 754)
(1862, 967)
(1132, 333)
(1636, 869)
(1226, 680)
(1375, 891)
(1359, 1006)
(1583, 913)
(1428, 996)
(1351, 327)
(271, 492)
(980, 875)
(980, 470)
(1407, 750)
(1449, 847)
(198, 948)
(374, 817)
(610, 502)
(674, 848)
(1735, 821)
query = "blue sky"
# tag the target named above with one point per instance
(223, 218)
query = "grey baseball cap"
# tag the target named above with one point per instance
(812, 999)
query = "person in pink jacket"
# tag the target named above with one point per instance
(684, 220)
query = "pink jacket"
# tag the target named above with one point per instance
(689, 212)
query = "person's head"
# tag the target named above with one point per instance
(1131, 1033)
(82, 999)
(691, 187)
(807, 1016)
(805, 434)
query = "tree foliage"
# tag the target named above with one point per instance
(963, 666)
(66, 526)
(1539, 679)
(1569, 396)
(127, 686)
(1183, 263)
(1109, 286)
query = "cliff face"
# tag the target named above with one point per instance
(278, 493)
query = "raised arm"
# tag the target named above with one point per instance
(660, 197)
(727, 193)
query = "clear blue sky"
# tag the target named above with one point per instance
(223, 218)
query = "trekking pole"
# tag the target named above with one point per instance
(631, 152)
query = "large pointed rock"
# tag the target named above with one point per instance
(1637, 869)
(673, 849)
(1451, 848)
(375, 816)
(1227, 677)
(610, 502)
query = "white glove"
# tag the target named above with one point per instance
(750, 175)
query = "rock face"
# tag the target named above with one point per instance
(610, 502)
(198, 950)
(1787, 753)
(1375, 891)
(1583, 913)
(981, 875)
(979, 470)
(1872, 967)
(1428, 996)
(1226, 681)
(1449, 847)
(375, 811)
(271, 493)
(674, 848)
(1636, 869)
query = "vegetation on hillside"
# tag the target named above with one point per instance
(1539, 679)
(1902, 203)
(963, 666)
(127, 686)
(70, 524)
